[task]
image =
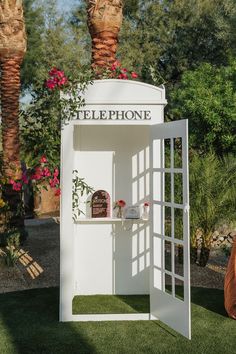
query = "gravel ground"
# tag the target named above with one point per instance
(40, 266)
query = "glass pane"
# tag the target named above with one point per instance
(168, 284)
(179, 224)
(168, 187)
(178, 153)
(168, 256)
(157, 227)
(157, 278)
(157, 186)
(167, 153)
(179, 289)
(168, 221)
(156, 153)
(178, 187)
(179, 259)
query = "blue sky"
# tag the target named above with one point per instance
(66, 5)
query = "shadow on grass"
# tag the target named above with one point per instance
(210, 299)
(31, 320)
(139, 303)
(29, 324)
(110, 304)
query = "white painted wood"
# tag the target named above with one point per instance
(112, 257)
(66, 225)
(109, 220)
(111, 317)
(121, 92)
(93, 270)
(111, 102)
(169, 309)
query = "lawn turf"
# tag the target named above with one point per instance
(106, 304)
(29, 324)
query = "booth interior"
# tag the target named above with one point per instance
(112, 255)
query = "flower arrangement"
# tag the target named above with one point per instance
(119, 204)
(145, 215)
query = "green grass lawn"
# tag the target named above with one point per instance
(29, 324)
(105, 304)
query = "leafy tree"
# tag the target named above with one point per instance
(51, 43)
(79, 28)
(175, 36)
(207, 97)
(35, 27)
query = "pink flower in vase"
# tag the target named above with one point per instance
(119, 204)
(145, 215)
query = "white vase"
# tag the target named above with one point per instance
(145, 215)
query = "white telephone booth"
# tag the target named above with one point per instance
(119, 143)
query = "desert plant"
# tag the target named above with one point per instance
(213, 197)
(226, 250)
(11, 252)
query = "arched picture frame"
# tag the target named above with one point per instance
(101, 204)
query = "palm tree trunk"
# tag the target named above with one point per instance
(10, 92)
(12, 50)
(104, 22)
(104, 47)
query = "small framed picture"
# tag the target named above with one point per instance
(132, 212)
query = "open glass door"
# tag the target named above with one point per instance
(170, 266)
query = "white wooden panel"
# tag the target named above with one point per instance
(111, 317)
(66, 225)
(96, 167)
(93, 259)
(94, 147)
(167, 307)
(124, 92)
(93, 244)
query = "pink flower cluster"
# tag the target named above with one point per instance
(122, 73)
(43, 172)
(40, 173)
(16, 186)
(57, 78)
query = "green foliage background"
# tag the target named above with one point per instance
(189, 45)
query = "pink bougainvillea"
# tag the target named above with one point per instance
(38, 174)
(16, 186)
(134, 75)
(56, 79)
(43, 159)
(119, 72)
(58, 192)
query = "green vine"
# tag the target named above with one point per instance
(79, 188)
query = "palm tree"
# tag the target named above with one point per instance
(104, 22)
(213, 198)
(12, 50)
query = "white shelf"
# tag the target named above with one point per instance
(108, 220)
